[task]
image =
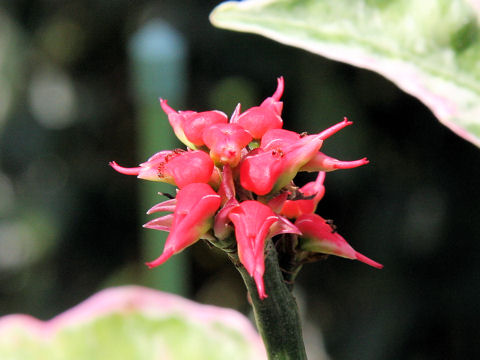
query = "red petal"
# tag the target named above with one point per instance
(319, 236)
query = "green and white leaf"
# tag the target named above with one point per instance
(429, 48)
(132, 323)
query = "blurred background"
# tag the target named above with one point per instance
(79, 87)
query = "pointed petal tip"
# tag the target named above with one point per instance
(149, 265)
(160, 260)
(368, 261)
(325, 134)
(236, 114)
(280, 87)
(156, 209)
(258, 277)
(161, 224)
(262, 296)
(148, 225)
(322, 162)
(350, 164)
(168, 205)
(157, 262)
(124, 170)
(320, 178)
(165, 107)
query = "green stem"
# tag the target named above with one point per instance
(277, 316)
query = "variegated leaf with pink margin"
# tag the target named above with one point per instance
(430, 49)
(132, 323)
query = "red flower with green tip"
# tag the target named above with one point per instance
(254, 222)
(193, 217)
(177, 167)
(258, 119)
(226, 142)
(319, 236)
(189, 125)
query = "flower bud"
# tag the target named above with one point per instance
(188, 126)
(226, 142)
(267, 169)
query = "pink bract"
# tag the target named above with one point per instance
(226, 142)
(178, 168)
(252, 222)
(193, 217)
(189, 125)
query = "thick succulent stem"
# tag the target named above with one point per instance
(277, 316)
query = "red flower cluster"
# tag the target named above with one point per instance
(237, 177)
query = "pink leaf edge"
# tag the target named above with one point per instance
(127, 299)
